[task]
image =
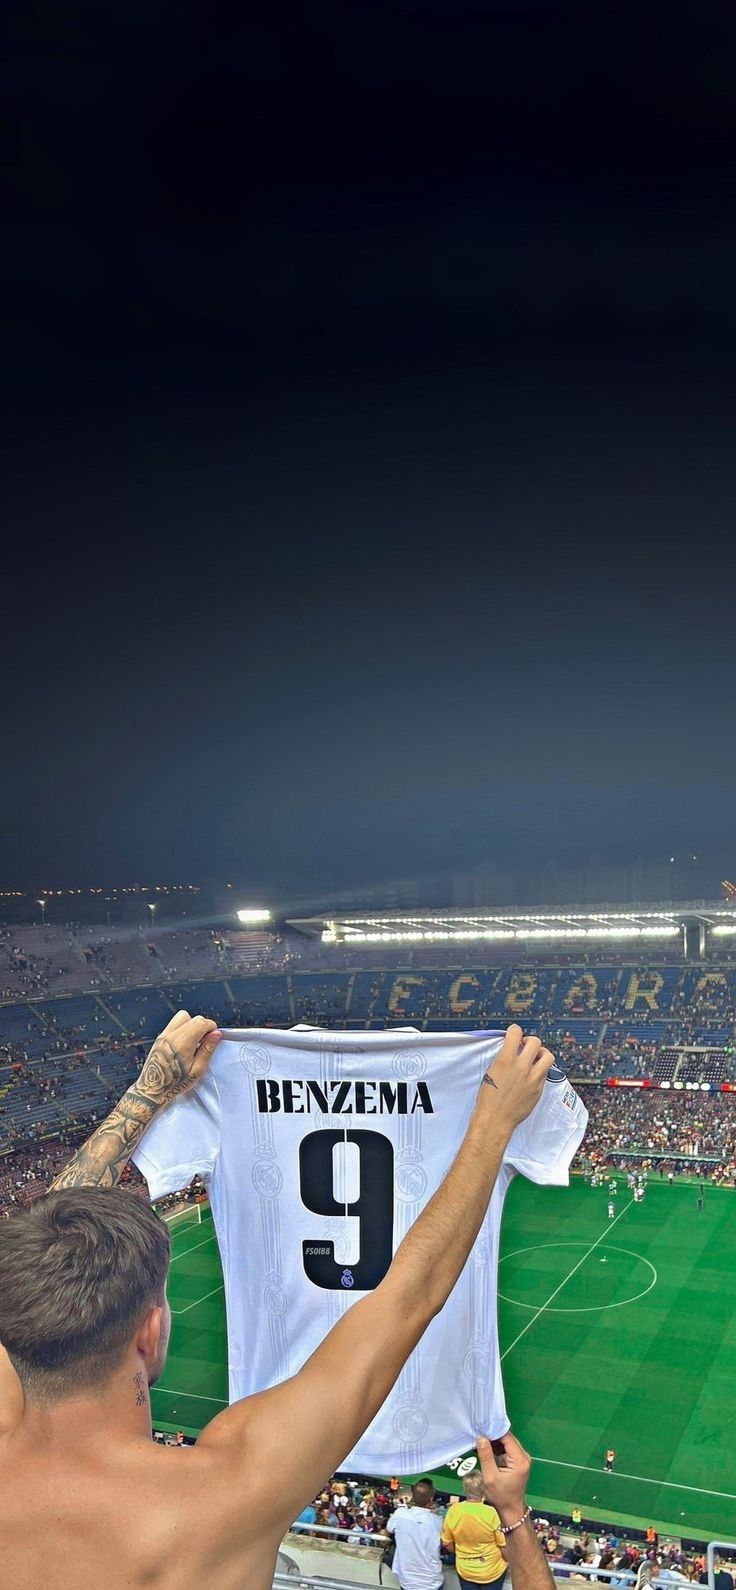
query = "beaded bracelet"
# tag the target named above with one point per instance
(508, 1529)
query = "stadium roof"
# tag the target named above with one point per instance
(469, 926)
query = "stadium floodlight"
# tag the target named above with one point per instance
(253, 916)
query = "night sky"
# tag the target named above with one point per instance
(369, 465)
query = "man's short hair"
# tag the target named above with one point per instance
(422, 1493)
(474, 1487)
(79, 1270)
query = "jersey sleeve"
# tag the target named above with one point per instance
(543, 1145)
(183, 1141)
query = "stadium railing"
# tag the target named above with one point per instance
(290, 1581)
(561, 1571)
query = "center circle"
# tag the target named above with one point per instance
(601, 1251)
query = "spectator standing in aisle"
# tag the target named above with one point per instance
(417, 1530)
(472, 1530)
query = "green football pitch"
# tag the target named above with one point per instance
(617, 1333)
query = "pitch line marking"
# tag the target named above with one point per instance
(210, 1238)
(595, 1308)
(673, 1485)
(567, 1278)
(199, 1396)
(198, 1300)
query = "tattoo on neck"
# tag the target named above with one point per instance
(490, 1082)
(140, 1390)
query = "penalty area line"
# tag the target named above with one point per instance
(198, 1300)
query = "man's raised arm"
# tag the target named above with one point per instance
(177, 1061)
(325, 1408)
(504, 1479)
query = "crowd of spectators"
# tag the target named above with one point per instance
(591, 1062)
(362, 1507)
(22, 971)
(578, 1556)
(643, 1125)
(28, 1173)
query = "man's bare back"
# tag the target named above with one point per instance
(127, 1515)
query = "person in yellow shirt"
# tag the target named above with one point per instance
(472, 1530)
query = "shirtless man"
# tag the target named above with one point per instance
(88, 1499)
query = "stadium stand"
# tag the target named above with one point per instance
(23, 1031)
(79, 1016)
(261, 1001)
(649, 1124)
(66, 1056)
(143, 1010)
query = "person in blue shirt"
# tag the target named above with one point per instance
(723, 1579)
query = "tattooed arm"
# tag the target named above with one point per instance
(177, 1061)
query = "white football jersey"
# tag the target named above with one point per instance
(319, 1150)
